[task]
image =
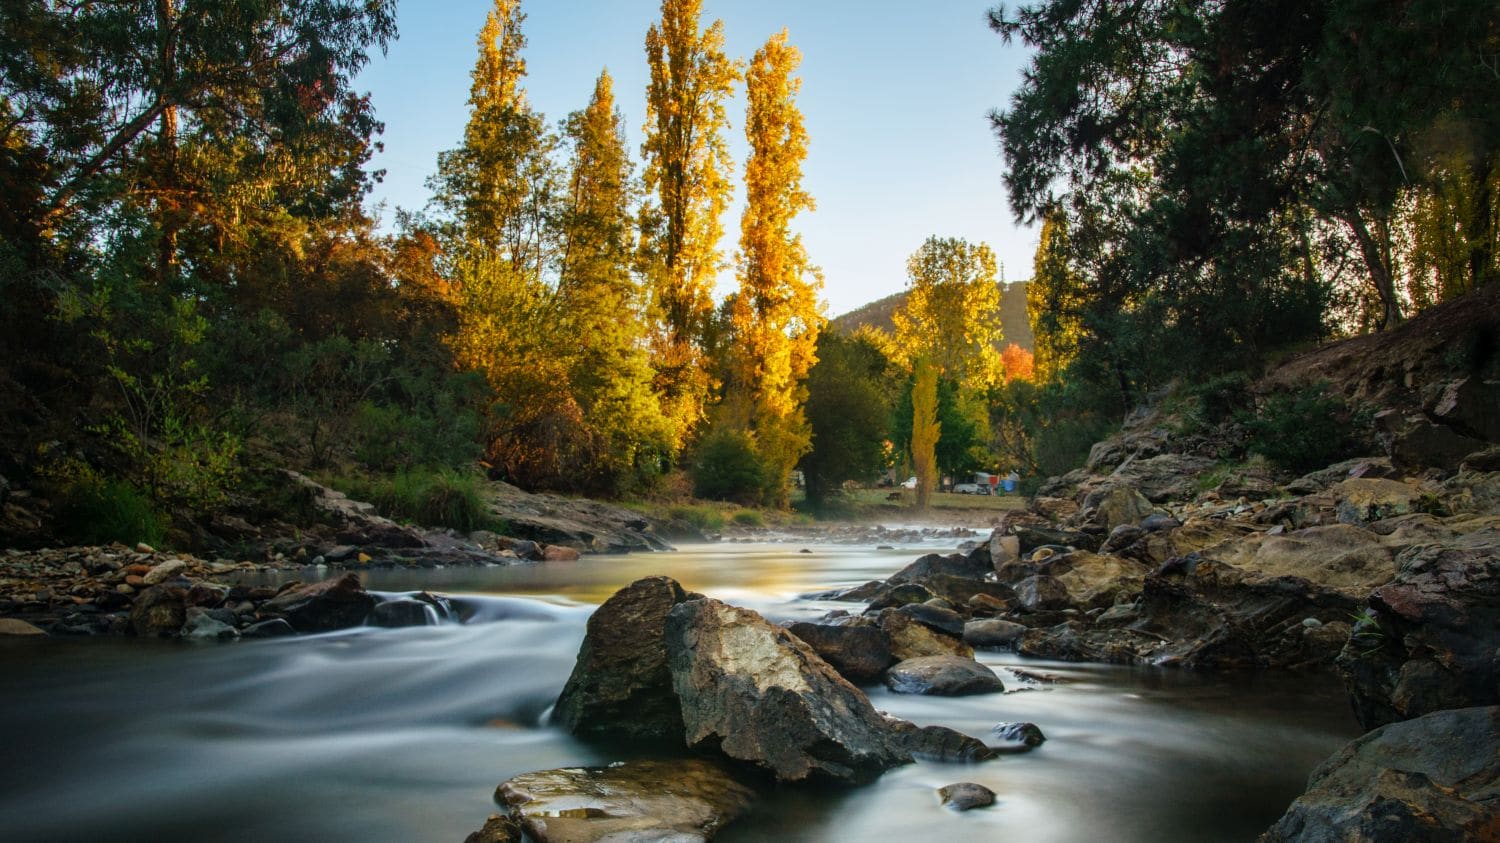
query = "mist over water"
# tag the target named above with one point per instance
(403, 734)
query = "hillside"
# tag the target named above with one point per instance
(1013, 321)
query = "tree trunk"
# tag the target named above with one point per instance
(1379, 269)
(167, 188)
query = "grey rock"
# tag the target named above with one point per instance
(1433, 779)
(757, 694)
(947, 676)
(992, 634)
(966, 796)
(203, 626)
(935, 617)
(398, 613)
(1022, 735)
(621, 686)
(859, 653)
(337, 603)
(274, 628)
(678, 800)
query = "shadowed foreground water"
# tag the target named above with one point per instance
(402, 735)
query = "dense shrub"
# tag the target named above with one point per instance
(727, 467)
(94, 509)
(1307, 429)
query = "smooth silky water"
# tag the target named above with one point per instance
(402, 735)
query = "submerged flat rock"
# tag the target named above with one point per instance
(683, 800)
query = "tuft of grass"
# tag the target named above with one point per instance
(109, 510)
(441, 498)
(749, 518)
(1210, 480)
(703, 516)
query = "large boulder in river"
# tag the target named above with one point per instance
(324, 606)
(158, 613)
(1431, 638)
(859, 652)
(756, 693)
(620, 685)
(1434, 779)
(680, 800)
(1093, 580)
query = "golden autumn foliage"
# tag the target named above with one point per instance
(687, 170)
(775, 317)
(925, 428)
(952, 310)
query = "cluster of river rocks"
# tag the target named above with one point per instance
(1391, 578)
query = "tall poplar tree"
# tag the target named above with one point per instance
(688, 170)
(600, 305)
(775, 316)
(950, 328)
(497, 190)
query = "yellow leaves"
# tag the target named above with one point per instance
(687, 167)
(925, 427)
(952, 311)
(497, 74)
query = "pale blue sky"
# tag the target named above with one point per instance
(895, 97)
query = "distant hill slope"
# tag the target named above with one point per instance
(1013, 321)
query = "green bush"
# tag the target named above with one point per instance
(1306, 429)
(442, 498)
(727, 468)
(100, 511)
(749, 518)
(1216, 400)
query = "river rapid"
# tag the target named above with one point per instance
(403, 734)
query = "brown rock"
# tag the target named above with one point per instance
(756, 693)
(621, 686)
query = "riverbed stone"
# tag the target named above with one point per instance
(1434, 779)
(936, 617)
(1121, 506)
(860, 653)
(966, 796)
(971, 566)
(910, 638)
(672, 800)
(992, 633)
(1023, 736)
(399, 613)
(1430, 639)
(18, 627)
(497, 829)
(621, 685)
(204, 625)
(158, 612)
(940, 743)
(164, 571)
(756, 693)
(947, 676)
(1040, 593)
(337, 603)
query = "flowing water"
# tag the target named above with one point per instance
(403, 734)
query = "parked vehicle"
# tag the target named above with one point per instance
(970, 489)
(911, 483)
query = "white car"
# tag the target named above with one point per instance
(911, 483)
(967, 489)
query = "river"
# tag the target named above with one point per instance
(403, 734)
